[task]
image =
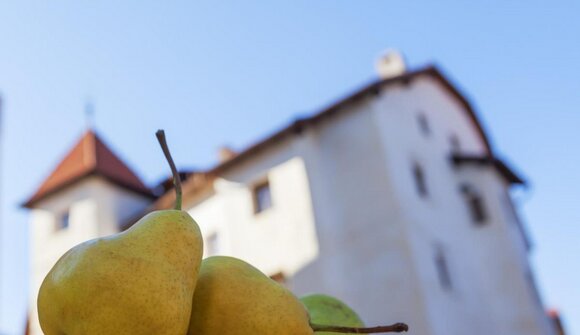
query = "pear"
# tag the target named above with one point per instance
(234, 298)
(140, 281)
(327, 310)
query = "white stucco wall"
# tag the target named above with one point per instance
(438, 222)
(507, 289)
(279, 239)
(489, 293)
(96, 208)
(359, 230)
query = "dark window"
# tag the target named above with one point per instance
(475, 204)
(262, 197)
(420, 183)
(423, 124)
(455, 144)
(63, 221)
(443, 270)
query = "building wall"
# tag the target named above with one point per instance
(438, 223)
(488, 293)
(96, 208)
(331, 213)
(509, 292)
(364, 253)
(280, 239)
(360, 231)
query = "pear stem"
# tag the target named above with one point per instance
(176, 179)
(395, 328)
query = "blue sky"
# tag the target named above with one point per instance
(229, 72)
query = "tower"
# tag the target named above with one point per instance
(89, 194)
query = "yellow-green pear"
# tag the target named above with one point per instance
(138, 282)
(234, 298)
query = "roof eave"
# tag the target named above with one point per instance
(35, 199)
(299, 125)
(508, 173)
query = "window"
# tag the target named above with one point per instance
(420, 183)
(63, 221)
(423, 123)
(474, 202)
(262, 197)
(442, 270)
(454, 142)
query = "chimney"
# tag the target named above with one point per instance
(225, 154)
(390, 64)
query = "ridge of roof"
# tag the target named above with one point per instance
(373, 87)
(193, 185)
(88, 157)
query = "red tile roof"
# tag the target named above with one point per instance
(89, 157)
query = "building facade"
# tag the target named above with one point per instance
(391, 199)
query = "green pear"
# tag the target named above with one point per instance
(327, 310)
(138, 282)
(234, 298)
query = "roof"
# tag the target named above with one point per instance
(498, 164)
(202, 180)
(298, 125)
(89, 157)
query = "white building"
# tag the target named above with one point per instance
(391, 199)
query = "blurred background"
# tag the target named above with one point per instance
(229, 73)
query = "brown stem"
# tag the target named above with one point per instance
(176, 180)
(395, 328)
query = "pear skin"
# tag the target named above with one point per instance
(140, 281)
(328, 310)
(234, 298)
